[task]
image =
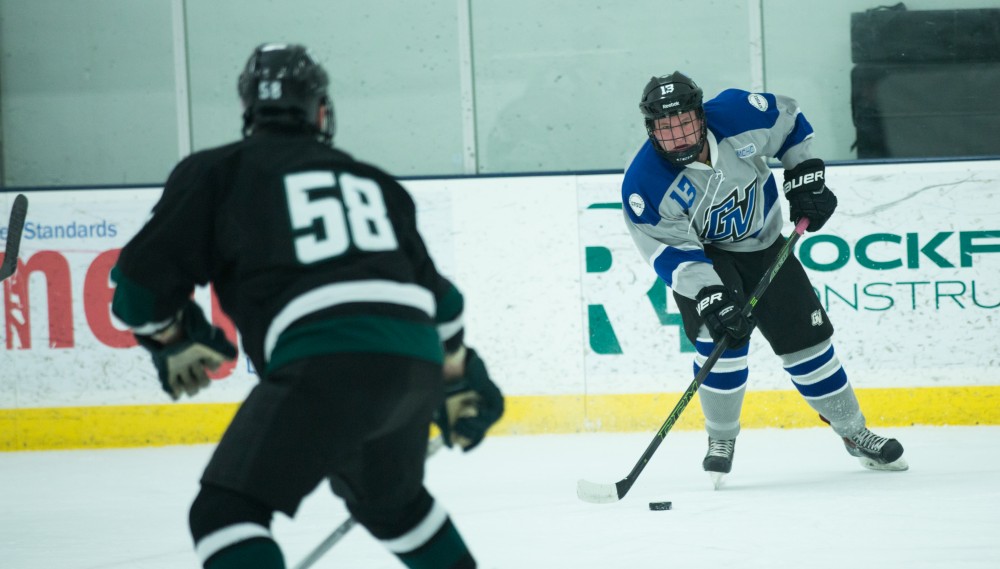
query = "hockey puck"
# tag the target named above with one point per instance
(660, 505)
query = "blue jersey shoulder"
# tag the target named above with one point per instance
(647, 179)
(735, 111)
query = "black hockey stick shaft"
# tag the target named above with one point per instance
(433, 446)
(14, 229)
(623, 486)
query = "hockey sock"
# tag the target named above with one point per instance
(820, 379)
(433, 544)
(257, 553)
(721, 394)
(231, 530)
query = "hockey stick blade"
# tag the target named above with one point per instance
(596, 493)
(14, 229)
(609, 493)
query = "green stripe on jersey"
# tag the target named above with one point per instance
(133, 303)
(450, 306)
(357, 334)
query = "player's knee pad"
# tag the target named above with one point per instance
(221, 520)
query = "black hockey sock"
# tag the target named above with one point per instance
(260, 553)
(231, 530)
(445, 550)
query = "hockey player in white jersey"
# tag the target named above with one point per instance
(704, 210)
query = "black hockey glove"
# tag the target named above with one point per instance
(722, 317)
(808, 196)
(473, 403)
(182, 364)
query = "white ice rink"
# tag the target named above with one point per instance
(794, 500)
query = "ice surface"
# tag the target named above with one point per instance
(794, 499)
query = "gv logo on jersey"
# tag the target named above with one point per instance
(730, 220)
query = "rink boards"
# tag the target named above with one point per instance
(574, 325)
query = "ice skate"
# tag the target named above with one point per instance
(875, 452)
(719, 459)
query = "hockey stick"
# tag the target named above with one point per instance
(433, 446)
(14, 228)
(597, 493)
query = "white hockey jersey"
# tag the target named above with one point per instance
(672, 212)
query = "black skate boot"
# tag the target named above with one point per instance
(719, 459)
(875, 452)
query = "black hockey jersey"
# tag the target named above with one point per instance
(310, 252)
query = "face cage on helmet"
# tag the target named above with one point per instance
(687, 155)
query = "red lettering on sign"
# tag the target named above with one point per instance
(17, 303)
(98, 292)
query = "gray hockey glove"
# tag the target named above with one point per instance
(473, 403)
(185, 351)
(722, 317)
(808, 196)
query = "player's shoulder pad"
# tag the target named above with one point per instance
(342, 154)
(735, 111)
(646, 181)
(369, 170)
(203, 158)
(189, 175)
(392, 189)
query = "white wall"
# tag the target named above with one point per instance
(518, 246)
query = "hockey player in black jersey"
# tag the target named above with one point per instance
(703, 208)
(354, 333)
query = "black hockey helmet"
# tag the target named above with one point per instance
(669, 95)
(282, 84)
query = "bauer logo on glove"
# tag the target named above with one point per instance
(807, 193)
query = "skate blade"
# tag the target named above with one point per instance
(897, 465)
(716, 478)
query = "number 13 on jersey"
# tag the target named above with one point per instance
(325, 227)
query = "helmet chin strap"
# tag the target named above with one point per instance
(686, 158)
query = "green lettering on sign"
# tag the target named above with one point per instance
(598, 259)
(939, 291)
(602, 336)
(967, 246)
(843, 252)
(861, 251)
(930, 250)
(976, 300)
